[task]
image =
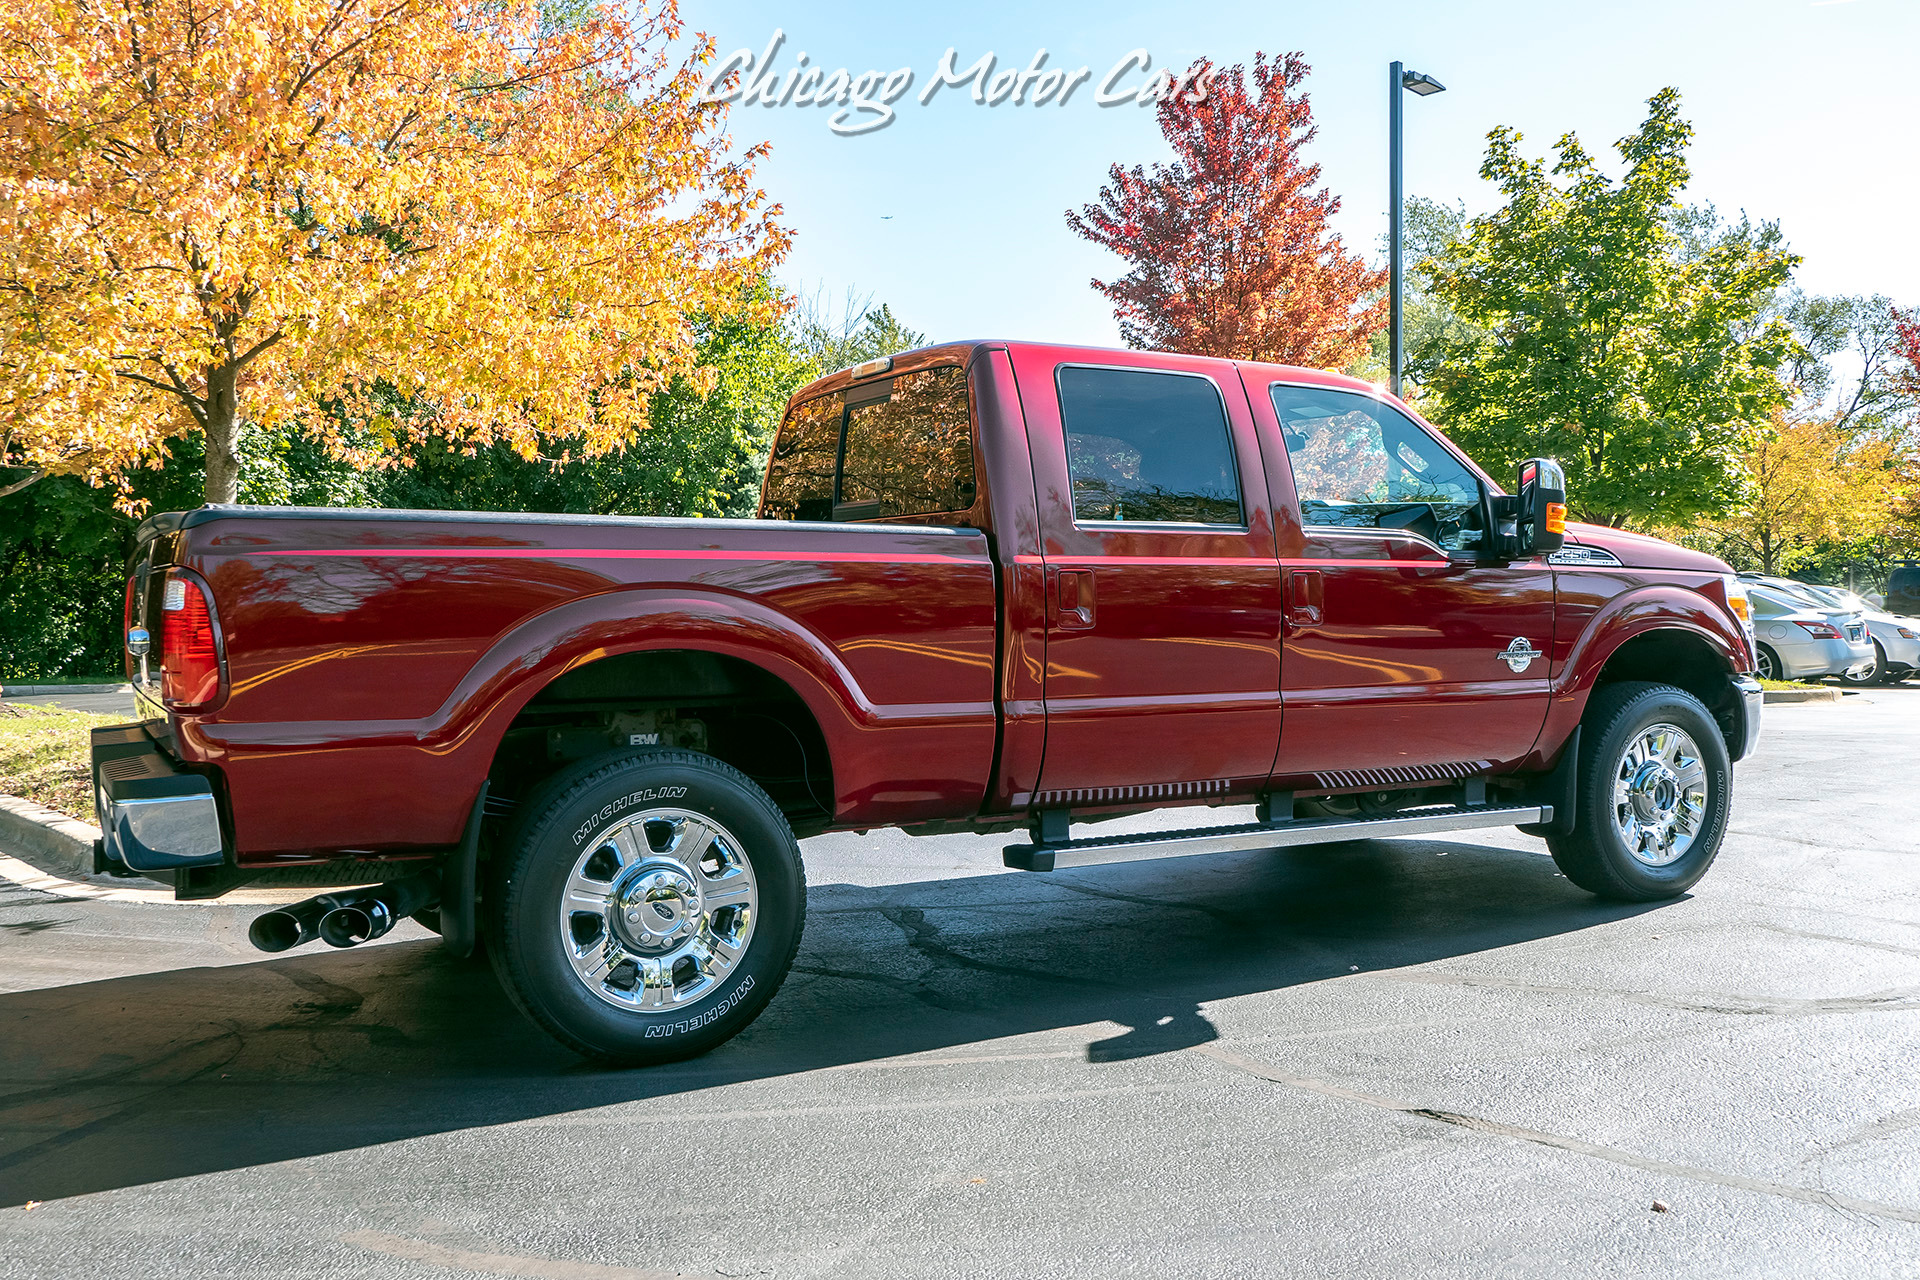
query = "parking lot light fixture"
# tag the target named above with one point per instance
(1399, 80)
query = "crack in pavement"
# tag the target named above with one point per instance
(1495, 1128)
(499, 1264)
(1878, 1129)
(1811, 936)
(1895, 1001)
(1221, 914)
(923, 936)
(916, 988)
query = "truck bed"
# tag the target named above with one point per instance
(375, 658)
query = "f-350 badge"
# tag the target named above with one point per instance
(1520, 654)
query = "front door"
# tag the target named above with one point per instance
(1409, 658)
(1162, 669)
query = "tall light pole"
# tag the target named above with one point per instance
(1399, 80)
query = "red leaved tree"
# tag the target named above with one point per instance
(1229, 245)
(1906, 341)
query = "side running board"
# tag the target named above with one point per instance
(1261, 835)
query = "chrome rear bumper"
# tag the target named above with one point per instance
(153, 816)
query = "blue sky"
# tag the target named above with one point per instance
(1804, 112)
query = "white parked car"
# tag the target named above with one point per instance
(1797, 639)
(1896, 640)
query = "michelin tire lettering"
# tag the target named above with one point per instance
(621, 805)
(700, 1020)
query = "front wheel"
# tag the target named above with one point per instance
(1655, 787)
(648, 906)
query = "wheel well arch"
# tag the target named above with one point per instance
(726, 706)
(1686, 660)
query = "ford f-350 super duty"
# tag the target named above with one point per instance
(994, 586)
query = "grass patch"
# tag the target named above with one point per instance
(1789, 684)
(45, 756)
(52, 682)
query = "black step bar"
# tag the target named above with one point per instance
(1266, 835)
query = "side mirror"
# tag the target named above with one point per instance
(1543, 507)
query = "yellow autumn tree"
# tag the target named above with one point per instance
(1811, 482)
(295, 212)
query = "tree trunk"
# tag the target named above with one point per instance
(223, 435)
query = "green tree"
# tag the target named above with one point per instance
(700, 455)
(705, 450)
(1429, 327)
(64, 544)
(1640, 358)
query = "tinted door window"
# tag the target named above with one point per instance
(1360, 464)
(1148, 447)
(800, 472)
(912, 453)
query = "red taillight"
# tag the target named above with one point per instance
(189, 657)
(1820, 631)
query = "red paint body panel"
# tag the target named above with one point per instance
(1164, 681)
(387, 679)
(1014, 659)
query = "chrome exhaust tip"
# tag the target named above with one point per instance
(347, 918)
(287, 927)
(355, 923)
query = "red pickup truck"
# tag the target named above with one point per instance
(994, 586)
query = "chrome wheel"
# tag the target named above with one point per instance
(1768, 665)
(658, 909)
(1867, 675)
(1659, 794)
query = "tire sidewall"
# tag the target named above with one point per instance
(1669, 706)
(583, 803)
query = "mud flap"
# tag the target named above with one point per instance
(1559, 788)
(458, 876)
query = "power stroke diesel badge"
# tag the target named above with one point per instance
(1520, 654)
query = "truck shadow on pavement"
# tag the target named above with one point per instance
(139, 1079)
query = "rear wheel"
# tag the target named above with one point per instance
(1860, 677)
(648, 906)
(1769, 664)
(1655, 787)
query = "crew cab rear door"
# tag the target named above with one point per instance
(1162, 673)
(1409, 658)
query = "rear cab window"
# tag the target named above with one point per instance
(1148, 447)
(887, 450)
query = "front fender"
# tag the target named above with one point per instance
(1619, 619)
(1638, 612)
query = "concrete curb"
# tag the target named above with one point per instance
(1790, 696)
(52, 840)
(43, 690)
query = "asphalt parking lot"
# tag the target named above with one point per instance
(1420, 1057)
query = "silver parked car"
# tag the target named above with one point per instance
(1796, 639)
(1896, 640)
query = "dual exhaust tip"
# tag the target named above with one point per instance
(346, 918)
